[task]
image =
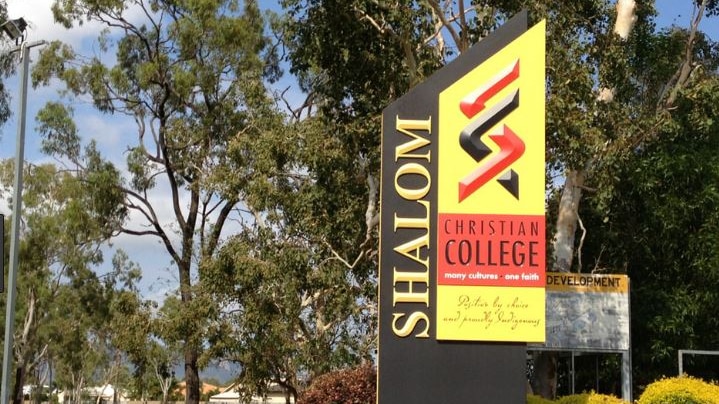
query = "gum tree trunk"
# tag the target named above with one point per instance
(545, 363)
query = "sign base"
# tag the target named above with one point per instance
(456, 372)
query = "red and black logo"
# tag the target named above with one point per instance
(511, 147)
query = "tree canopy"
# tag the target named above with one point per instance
(191, 75)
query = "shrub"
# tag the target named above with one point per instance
(585, 398)
(531, 399)
(590, 398)
(348, 386)
(680, 390)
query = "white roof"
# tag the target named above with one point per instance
(228, 395)
(103, 391)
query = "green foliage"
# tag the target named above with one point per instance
(589, 398)
(680, 390)
(348, 386)
(295, 314)
(79, 318)
(59, 130)
(584, 398)
(369, 63)
(292, 291)
(94, 322)
(358, 56)
(205, 396)
(534, 399)
(192, 74)
(712, 7)
(154, 360)
(660, 224)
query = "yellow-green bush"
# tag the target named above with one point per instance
(590, 398)
(538, 400)
(586, 398)
(680, 390)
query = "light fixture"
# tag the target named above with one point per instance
(14, 28)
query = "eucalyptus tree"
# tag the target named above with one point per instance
(95, 320)
(296, 311)
(64, 229)
(144, 334)
(192, 75)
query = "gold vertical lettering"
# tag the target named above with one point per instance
(409, 193)
(411, 296)
(412, 182)
(410, 324)
(407, 125)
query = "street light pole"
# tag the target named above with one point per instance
(24, 49)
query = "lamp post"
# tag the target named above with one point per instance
(15, 30)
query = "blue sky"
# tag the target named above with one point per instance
(159, 275)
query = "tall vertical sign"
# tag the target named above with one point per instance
(462, 263)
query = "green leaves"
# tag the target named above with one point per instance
(59, 131)
(191, 74)
(55, 59)
(662, 226)
(140, 167)
(65, 307)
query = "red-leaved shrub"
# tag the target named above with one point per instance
(349, 386)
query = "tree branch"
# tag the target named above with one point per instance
(219, 224)
(682, 75)
(581, 243)
(446, 24)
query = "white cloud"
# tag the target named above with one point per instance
(112, 133)
(42, 26)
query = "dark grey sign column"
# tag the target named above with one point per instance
(413, 366)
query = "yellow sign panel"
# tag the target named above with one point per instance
(494, 313)
(526, 121)
(574, 282)
(491, 225)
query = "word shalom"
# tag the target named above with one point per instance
(412, 182)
